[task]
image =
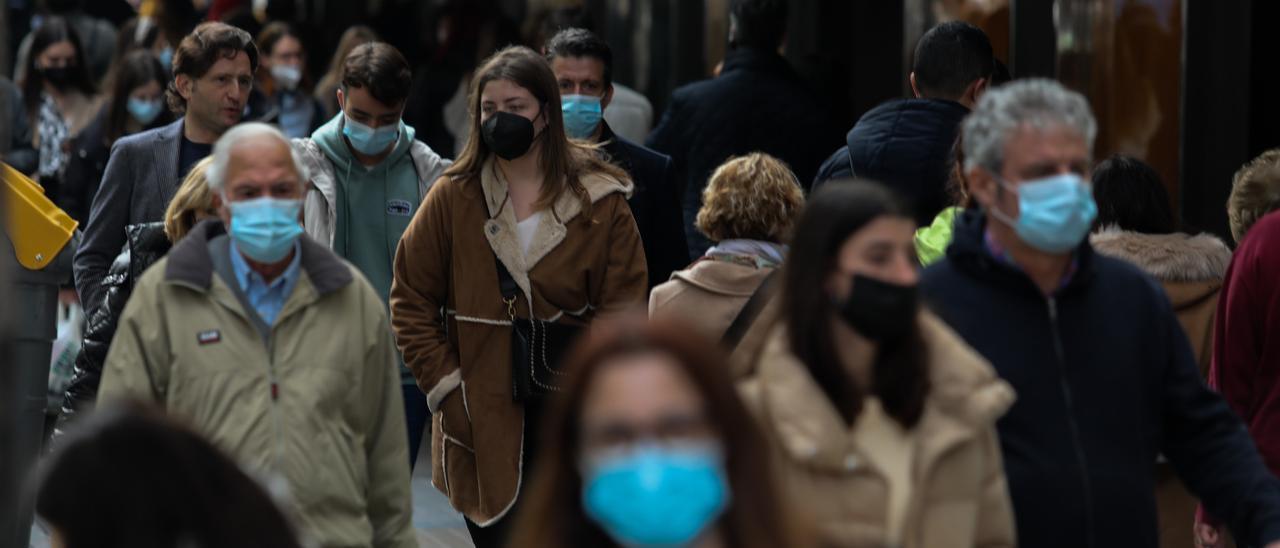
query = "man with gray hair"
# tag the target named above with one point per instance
(1106, 380)
(275, 349)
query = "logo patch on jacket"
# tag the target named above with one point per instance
(209, 337)
(399, 208)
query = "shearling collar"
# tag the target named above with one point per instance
(1174, 257)
(965, 398)
(500, 229)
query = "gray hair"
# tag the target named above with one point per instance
(216, 175)
(1038, 102)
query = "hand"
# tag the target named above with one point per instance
(1208, 536)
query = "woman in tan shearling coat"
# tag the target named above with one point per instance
(556, 218)
(883, 420)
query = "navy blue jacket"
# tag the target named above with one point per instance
(1106, 381)
(655, 203)
(757, 104)
(907, 145)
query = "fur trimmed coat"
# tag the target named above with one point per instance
(1190, 268)
(454, 329)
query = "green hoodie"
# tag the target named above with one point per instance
(374, 204)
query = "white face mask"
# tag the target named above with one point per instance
(287, 76)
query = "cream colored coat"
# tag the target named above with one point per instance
(959, 498)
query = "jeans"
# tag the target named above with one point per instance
(416, 416)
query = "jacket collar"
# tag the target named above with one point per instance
(753, 59)
(610, 142)
(724, 278)
(190, 265)
(969, 252)
(500, 230)
(1167, 257)
(937, 113)
(965, 399)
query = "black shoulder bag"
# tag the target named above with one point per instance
(537, 347)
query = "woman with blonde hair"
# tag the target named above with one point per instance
(526, 239)
(145, 244)
(748, 210)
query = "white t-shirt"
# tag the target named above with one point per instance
(525, 230)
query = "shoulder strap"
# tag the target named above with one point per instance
(506, 284)
(751, 310)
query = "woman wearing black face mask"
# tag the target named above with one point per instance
(524, 240)
(882, 418)
(60, 97)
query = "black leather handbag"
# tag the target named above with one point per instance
(537, 347)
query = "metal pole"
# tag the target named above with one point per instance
(31, 309)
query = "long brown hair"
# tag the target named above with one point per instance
(552, 514)
(564, 163)
(900, 371)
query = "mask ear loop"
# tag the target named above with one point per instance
(994, 210)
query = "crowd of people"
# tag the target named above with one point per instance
(951, 328)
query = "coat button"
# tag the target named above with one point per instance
(493, 230)
(850, 463)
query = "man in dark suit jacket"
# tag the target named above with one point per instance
(757, 104)
(583, 64)
(213, 71)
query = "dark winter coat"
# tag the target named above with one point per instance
(757, 104)
(1106, 381)
(907, 145)
(655, 203)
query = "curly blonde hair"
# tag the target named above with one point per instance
(753, 197)
(192, 202)
(1255, 191)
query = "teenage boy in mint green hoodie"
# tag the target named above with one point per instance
(368, 177)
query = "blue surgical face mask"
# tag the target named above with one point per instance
(1054, 213)
(650, 496)
(166, 58)
(265, 229)
(368, 140)
(582, 115)
(144, 111)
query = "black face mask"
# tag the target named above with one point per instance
(58, 77)
(508, 135)
(880, 311)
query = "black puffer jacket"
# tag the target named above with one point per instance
(905, 144)
(757, 104)
(147, 243)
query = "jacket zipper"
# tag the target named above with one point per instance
(275, 397)
(1072, 426)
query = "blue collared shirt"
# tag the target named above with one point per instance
(267, 299)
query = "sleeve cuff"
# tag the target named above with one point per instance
(442, 389)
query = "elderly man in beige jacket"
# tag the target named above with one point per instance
(276, 349)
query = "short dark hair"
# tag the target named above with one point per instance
(130, 476)
(582, 43)
(760, 24)
(380, 68)
(1132, 197)
(200, 50)
(950, 57)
